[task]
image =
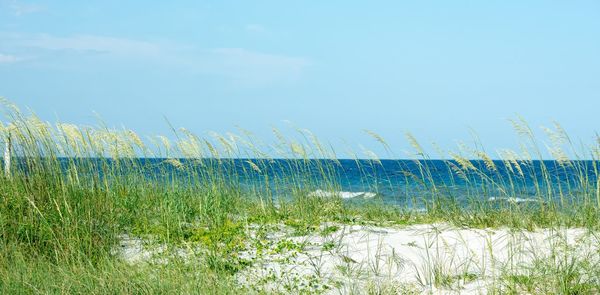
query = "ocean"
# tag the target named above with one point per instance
(394, 182)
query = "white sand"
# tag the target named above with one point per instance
(355, 257)
(408, 257)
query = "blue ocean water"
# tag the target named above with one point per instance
(401, 182)
(395, 182)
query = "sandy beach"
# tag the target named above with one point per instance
(350, 259)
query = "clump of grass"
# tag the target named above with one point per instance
(22, 273)
(561, 272)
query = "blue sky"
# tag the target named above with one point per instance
(434, 68)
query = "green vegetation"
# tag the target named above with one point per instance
(72, 192)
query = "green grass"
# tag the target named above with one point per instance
(59, 221)
(25, 274)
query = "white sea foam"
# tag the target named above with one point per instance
(342, 194)
(512, 200)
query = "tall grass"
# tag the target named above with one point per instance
(70, 191)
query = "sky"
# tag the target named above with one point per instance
(438, 69)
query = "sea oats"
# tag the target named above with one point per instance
(512, 158)
(415, 144)
(10, 106)
(517, 166)
(227, 146)
(282, 140)
(71, 132)
(371, 155)
(135, 139)
(489, 163)
(298, 149)
(175, 163)
(462, 147)
(165, 142)
(378, 138)
(100, 140)
(72, 135)
(4, 130)
(521, 127)
(556, 138)
(561, 131)
(316, 143)
(213, 151)
(595, 151)
(190, 145)
(117, 144)
(87, 134)
(460, 172)
(233, 140)
(507, 163)
(122, 147)
(525, 154)
(463, 162)
(37, 126)
(242, 142)
(110, 140)
(189, 148)
(253, 166)
(439, 150)
(560, 156)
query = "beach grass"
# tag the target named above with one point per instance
(72, 193)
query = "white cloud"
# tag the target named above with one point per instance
(240, 65)
(102, 44)
(19, 8)
(6, 58)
